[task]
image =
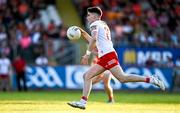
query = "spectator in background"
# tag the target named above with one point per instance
(22, 26)
(23, 9)
(150, 15)
(26, 46)
(52, 30)
(2, 2)
(5, 70)
(42, 60)
(3, 34)
(25, 41)
(19, 65)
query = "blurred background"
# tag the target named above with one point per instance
(36, 52)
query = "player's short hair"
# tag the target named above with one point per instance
(96, 10)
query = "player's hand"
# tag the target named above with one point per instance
(85, 59)
(80, 29)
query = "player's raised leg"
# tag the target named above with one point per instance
(124, 77)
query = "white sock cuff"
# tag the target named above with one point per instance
(83, 101)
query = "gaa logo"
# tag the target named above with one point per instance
(43, 77)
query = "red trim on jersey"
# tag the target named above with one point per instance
(108, 61)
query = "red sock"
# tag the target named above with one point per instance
(84, 98)
(147, 80)
(110, 98)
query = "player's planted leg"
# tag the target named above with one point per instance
(79, 104)
(92, 72)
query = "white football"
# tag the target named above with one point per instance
(73, 33)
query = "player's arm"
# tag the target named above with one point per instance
(94, 35)
(91, 45)
(85, 35)
(92, 41)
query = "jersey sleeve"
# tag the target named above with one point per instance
(94, 29)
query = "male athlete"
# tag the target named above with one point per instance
(106, 76)
(107, 58)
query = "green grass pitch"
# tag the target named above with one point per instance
(55, 102)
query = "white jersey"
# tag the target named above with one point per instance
(4, 66)
(103, 41)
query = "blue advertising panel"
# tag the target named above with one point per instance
(44, 77)
(71, 77)
(139, 55)
(74, 77)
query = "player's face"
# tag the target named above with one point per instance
(91, 17)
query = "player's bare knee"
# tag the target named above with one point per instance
(86, 76)
(122, 79)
